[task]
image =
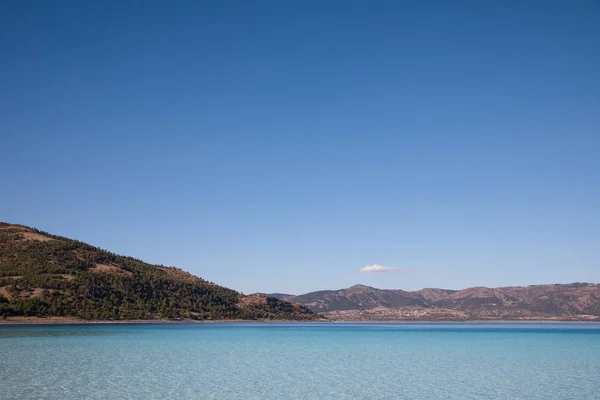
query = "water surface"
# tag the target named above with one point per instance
(302, 361)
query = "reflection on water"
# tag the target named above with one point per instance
(23, 333)
(108, 329)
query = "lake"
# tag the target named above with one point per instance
(301, 361)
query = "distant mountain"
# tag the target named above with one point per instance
(358, 297)
(575, 301)
(46, 275)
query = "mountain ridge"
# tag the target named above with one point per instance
(45, 275)
(572, 301)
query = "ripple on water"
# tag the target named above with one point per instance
(302, 361)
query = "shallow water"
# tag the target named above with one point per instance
(302, 361)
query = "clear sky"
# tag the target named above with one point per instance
(281, 146)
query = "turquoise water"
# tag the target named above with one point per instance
(301, 361)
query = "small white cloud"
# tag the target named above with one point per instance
(381, 268)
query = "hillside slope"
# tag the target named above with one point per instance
(575, 301)
(47, 275)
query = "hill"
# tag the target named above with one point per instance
(46, 275)
(575, 301)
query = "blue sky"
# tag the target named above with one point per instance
(283, 146)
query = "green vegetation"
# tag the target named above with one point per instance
(47, 275)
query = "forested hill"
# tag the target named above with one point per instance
(46, 275)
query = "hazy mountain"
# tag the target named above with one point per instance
(575, 301)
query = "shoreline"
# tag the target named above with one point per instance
(26, 321)
(76, 321)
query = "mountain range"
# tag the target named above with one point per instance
(575, 301)
(44, 275)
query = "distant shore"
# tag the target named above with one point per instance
(75, 321)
